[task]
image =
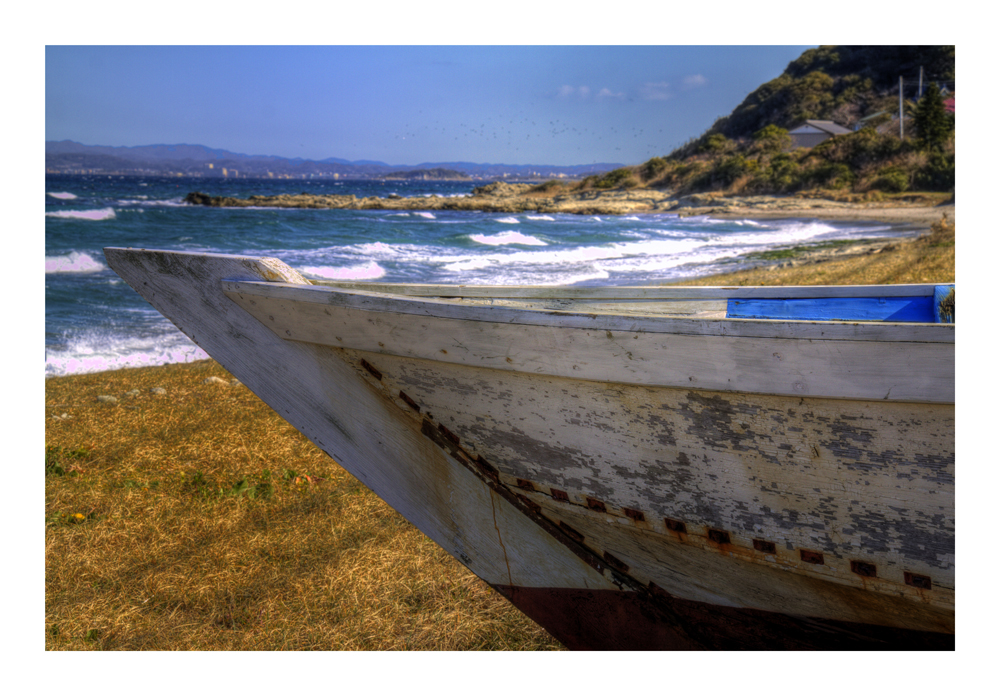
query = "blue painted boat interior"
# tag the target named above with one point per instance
(936, 308)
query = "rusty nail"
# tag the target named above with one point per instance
(409, 402)
(615, 563)
(531, 504)
(634, 514)
(368, 366)
(865, 570)
(675, 525)
(596, 505)
(448, 434)
(487, 467)
(920, 581)
(559, 495)
(811, 556)
(718, 536)
(764, 546)
(570, 532)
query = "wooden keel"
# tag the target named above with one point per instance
(601, 620)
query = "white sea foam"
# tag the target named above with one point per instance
(369, 271)
(780, 234)
(73, 262)
(508, 220)
(425, 214)
(468, 265)
(63, 195)
(102, 214)
(97, 351)
(541, 217)
(507, 238)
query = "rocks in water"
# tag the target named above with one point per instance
(159, 391)
(105, 399)
(501, 189)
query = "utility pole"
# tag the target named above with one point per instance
(900, 107)
(920, 83)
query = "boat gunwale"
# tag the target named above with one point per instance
(454, 308)
(632, 292)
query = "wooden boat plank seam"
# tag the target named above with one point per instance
(531, 499)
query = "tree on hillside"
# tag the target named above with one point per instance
(771, 138)
(931, 119)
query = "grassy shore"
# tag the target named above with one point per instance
(929, 258)
(183, 513)
(197, 519)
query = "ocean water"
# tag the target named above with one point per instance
(94, 321)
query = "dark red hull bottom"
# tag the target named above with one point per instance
(612, 620)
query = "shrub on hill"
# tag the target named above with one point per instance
(749, 151)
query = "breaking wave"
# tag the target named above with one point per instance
(73, 262)
(507, 238)
(101, 214)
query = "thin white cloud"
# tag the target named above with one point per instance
(606, 93)
(655, 91)
(568, 91)
(692, 81)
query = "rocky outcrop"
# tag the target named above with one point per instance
(501, 197)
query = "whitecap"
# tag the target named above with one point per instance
(102, 214)
(369, 271)
(425, 214)
(508, 220)
(73, 262)
(100, 350)
(541, 217)
(507, 238)
(63, 195)
(470, 265)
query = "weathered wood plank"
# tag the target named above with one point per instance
(714, 309)
(850, 481)
(651, 292)
(831, 368)
(459, 309)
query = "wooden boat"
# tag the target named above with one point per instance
(633, 468)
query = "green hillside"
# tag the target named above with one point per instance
(838, 83)
(750, 152)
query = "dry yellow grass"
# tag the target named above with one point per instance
(171, 555)
(926, 259)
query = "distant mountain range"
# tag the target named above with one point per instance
(69, 157)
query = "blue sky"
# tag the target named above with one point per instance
(558, 105)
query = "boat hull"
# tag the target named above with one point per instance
(619, 515)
